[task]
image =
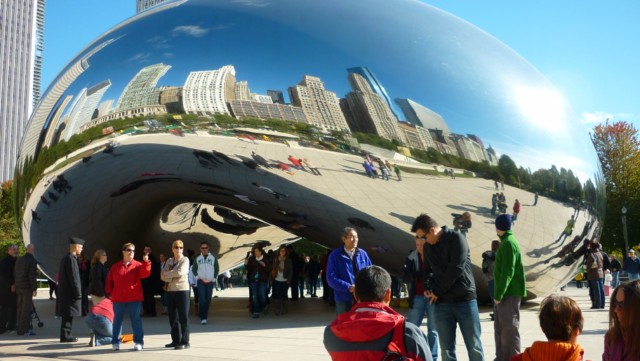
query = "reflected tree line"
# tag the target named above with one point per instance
(561, 185)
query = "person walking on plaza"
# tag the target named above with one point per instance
(632, 265)
(595, 275)
(124, 287)
(176, 273)
(488, 262)
(615, 271)
(561, 321)
(26, 273)
(100, 322)
(516, 210)
(99, 272)
(372, 330)
(8, 297)
(282, 269)
(414, 269)
(508, 290)
(343, 265)
(69, 301)
(450, 287)
(258, 273)
(205, 269)
(622, 340)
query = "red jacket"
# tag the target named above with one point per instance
(123, 281)
(364, 334)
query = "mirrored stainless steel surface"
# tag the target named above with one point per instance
(408, 71)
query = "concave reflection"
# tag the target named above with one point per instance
(261, 127)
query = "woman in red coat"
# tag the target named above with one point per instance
(124, 287)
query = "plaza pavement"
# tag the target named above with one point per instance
(233, 335)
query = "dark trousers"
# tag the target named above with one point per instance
(295, 290)
(66, 322)
(506, 326)
(149, 301)
(8, 313)
(178, 316)
(25, 306)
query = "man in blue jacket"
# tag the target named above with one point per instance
(342, 267)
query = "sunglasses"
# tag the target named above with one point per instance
(129, 250)
(178, 247)
(424, 238)
(204, 247)
(616, 304)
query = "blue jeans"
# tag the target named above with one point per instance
(465, 314)
(205, 290)
(421, 306)
(259, 290)
(133, 309)
(615, 279)
(633, 276)
(101, 326)
(597, 289)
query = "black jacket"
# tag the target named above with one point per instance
(99, 274)
(69, 288)
(26, 273)
(412, 272)
(451, 278)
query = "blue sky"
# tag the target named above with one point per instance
(587, 49)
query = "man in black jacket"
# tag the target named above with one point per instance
(450, 287)
(69, 302)
(8, 299)
(26, 273)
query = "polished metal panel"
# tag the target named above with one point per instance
(330, 62)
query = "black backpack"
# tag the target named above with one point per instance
(487, 258)
(606, 263)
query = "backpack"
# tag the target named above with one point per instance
(487, 258)
(396, 350)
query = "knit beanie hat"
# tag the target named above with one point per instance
(503, 222)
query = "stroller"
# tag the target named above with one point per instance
(35, 317)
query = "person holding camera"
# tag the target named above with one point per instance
(450, 287)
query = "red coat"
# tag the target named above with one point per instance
(123, 281)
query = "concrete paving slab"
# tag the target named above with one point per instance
(233, 335)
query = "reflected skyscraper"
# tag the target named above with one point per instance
(276, 96)
(320, 106)
(21, 46)
(207, 92)
(369, 112)
(142, 5)
(85, 107)
(141, 90)
(418, 114)
(374, 83)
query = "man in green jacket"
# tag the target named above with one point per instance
(509, 288)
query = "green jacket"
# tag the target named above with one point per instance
(508, 270)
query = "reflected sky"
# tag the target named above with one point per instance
(416, 51)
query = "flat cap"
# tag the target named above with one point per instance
(76, 240)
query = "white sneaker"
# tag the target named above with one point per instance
(203, 322)
(137, 347)
(116, 347)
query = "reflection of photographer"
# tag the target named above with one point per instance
(462, 222)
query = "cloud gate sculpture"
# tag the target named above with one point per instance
(235, 122)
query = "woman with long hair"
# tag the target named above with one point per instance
(99, 272)
(176, 273)
(258, 274)
(622, 341)
(281, 276)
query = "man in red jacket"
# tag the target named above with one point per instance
(124, 287)
(367, 331)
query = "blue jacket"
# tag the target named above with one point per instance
(340, 272)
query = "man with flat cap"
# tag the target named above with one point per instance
(69, 302)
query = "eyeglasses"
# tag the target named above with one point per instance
(129, 250)
(424, 238)
(615, 304)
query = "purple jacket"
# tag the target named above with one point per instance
(615, 352)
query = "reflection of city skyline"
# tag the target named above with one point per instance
(366, 108)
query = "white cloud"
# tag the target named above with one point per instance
(253, 3)
(139, 57)
(191, 30)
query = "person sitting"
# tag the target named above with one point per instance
(372, 330)
(561, 321)
(622, 341)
